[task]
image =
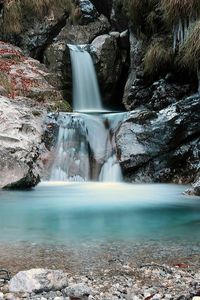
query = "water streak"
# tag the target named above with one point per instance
(86, 95)
(86, 148)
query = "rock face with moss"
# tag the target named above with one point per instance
(27, 90)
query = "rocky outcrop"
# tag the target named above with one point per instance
(109, 67)
(155, 96)
(136, 55)
(163, 146)
(195, 190)
(20, 137)
(27, 90)
(23, 76)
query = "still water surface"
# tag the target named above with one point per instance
(65, 213)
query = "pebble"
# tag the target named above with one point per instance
(141, 284)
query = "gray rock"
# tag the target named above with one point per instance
(109, 61)
(136, 55)
(20, 137)
(78, 291)
(195, 190)
(38, 280)
(161, 147)
(88, 10)
(10, 296)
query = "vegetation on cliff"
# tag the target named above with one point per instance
(16, 12)
(166, 26)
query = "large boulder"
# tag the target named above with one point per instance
(27, 91)
(109, 61)
(23, 76)
(38, 280)
(161, 147)
(20, 137)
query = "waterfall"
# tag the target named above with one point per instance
(111, 170)
(86, 95)
(86, 149)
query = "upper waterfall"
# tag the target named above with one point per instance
(86, 94)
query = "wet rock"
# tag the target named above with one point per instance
(109, 61)
(136, 55)
(78, 291)
(38, 280)
(39, 31)
(83, 34)
(89, 12)
(195, 190)
(118, 17)
(163, 147)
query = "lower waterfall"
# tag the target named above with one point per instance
(86, 149)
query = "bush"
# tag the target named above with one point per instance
(158, 59)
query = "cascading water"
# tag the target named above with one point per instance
(86, 142)
(86, 95)
(86, 149)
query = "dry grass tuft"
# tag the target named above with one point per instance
(189, 55)
(12, 16)
(158, 59)
(6, 83)
(15, 11)
(175, 10)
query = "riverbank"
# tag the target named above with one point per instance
(107, 271)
